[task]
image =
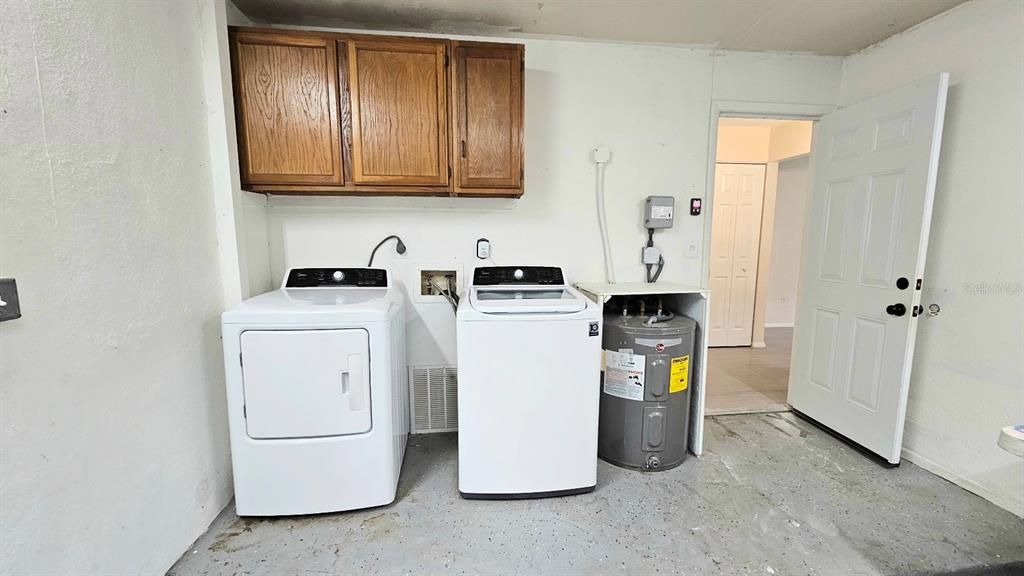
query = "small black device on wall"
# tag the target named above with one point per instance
(695, 206)
(10, 305)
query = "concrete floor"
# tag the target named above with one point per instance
(771, 495)
(747, 380)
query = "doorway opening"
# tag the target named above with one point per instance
(761, 191)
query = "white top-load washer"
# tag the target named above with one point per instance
(529, 355)
(317, 393)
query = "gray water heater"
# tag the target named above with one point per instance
(645, 391)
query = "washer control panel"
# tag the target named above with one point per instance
(499, 275)
(335, 277)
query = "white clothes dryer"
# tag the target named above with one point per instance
(317, 391)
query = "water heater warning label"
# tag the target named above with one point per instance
(679, 378)
(624, 374)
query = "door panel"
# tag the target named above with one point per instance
(735, 244)
(487, 115)
(287, 96)
(306, 383)
(397, 91)
(874, 166)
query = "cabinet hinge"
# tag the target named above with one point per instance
(449, 171)
(445, 60)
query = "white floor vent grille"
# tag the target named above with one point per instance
(435, 400)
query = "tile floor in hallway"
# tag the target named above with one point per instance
(771, 495)
(747, 380)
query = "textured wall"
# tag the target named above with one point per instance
(649, 104)
(113, 439)
(968, 378)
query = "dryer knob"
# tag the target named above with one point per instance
(518, 274)
(338, 276)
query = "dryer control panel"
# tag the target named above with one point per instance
(502, 275)
(336, 277)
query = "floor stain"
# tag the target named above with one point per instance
(380, 525)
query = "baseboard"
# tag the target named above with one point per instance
(1015, 507)
(758, 345)
(779, 325)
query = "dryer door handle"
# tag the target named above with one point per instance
(352, 384)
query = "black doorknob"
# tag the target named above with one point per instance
(896, 309)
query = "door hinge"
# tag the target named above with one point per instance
(918, 283)
(918, 310)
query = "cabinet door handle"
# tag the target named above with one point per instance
(462, 148)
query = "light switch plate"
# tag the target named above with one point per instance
(691, 250)
(10, 305)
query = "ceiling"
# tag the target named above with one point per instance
(833, 27)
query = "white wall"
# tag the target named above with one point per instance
(253, 219)
(787, 238)
(743, 144)
(968, 378)
(650, 105)
(790, 139)
(114, 443)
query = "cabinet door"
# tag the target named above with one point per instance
(488, 118)
(286, 93)
(397, 90)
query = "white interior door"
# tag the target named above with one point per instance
(735, 242)
(874, 166)
(306, 383)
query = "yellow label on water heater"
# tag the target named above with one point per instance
(679, 379)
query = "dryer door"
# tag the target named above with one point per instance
(306, 383)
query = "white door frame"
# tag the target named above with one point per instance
(742, 109)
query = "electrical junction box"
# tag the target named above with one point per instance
(659, 212)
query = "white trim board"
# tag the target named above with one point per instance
(1015, 507)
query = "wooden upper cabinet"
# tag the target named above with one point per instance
(487, 118)
(398, 97)
(332, 113)
(286, 99)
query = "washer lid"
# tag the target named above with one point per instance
(525, 299)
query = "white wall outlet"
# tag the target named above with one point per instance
(483, 248)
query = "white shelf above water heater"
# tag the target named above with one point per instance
(682, 299)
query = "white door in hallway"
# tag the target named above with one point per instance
(735, 241)
(874, 166)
